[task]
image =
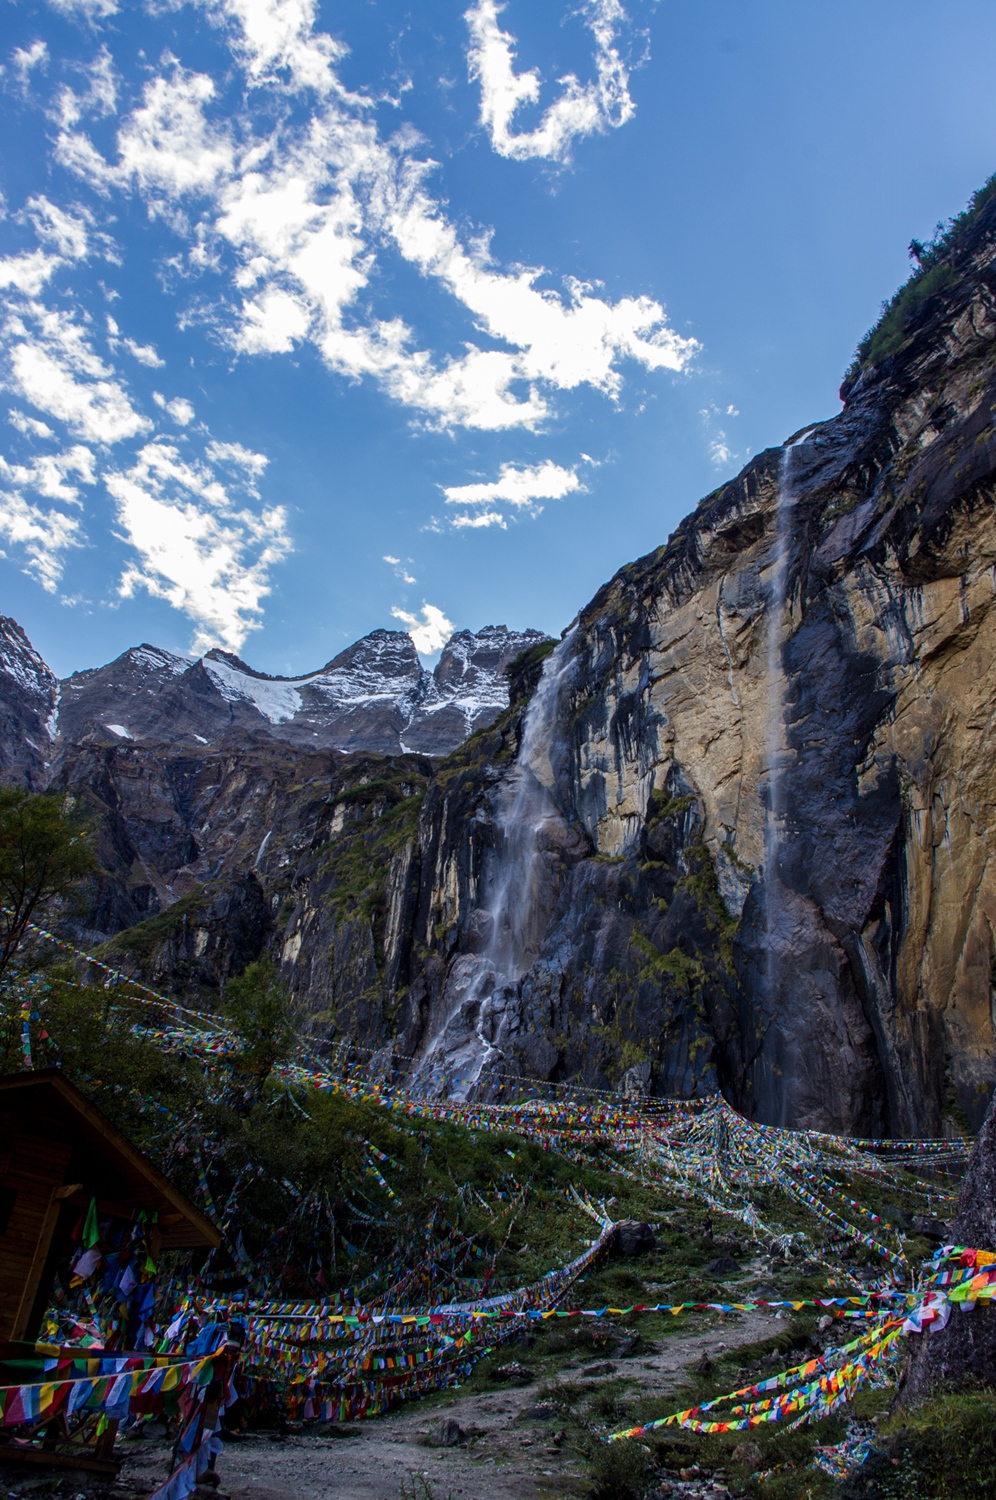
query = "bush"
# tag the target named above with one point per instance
(934, 272)
(943, 1450)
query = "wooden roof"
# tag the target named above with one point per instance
(105, 1162)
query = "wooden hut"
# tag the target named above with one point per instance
(57, 1152)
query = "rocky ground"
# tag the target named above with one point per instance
(512, 1444)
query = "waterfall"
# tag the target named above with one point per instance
(776, 740)
(516, 900)
(775, 714)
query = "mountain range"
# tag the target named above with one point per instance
(375, 696)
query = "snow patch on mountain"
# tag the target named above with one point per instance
(274, 697)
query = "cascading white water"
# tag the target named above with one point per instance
(776, 743)
(775, 712)
(514, 912)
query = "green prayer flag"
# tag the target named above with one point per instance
(91, 1227)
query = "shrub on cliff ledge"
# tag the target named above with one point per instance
(932, 275)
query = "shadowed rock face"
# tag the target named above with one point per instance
(27, 709)
(765, 855)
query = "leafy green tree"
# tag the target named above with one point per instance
(258, 1007)
(44, 852)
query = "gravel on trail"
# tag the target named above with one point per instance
(505, 1454)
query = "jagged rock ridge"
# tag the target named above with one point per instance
(376, 695)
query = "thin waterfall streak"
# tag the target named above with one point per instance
(512, 911)
(775, 745)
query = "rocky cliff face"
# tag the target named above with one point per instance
(28, 698)
(739, 836)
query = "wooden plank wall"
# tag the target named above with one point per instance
(34, 1156)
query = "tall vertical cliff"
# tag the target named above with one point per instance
(774, 863)
(748, 843)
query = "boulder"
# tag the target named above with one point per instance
(633, 1238)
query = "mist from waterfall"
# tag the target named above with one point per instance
(513, 915)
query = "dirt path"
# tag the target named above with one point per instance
(507, 1456)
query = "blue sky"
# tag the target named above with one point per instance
(325, 317)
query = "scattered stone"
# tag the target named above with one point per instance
(898, 1216)
(704, 1366)
(626, 1347)
(605, 1368)
(633, 1238)
(932, 1229)
(544, 1412)
(520, 1374)
(825, 1322)
(686, 1474)
(747, 1453)
(723, 1265)
(447, 1433)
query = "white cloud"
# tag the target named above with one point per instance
(29, 272)
(24, 59)
(146, 354)
(30, 426)
(305, 211)
(196, 549)
(53, 366)
(88, 10)
(400, 571)
(487, 518)
(100, 98)
(234, 453)
(720, 451)
(42, 533)
(179, 409)
(67, 232)
(49, 473)
(580, 110)
(517, 486)
(430, 633)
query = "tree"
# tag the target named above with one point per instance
(257, 1004)
(44, 852)
(963, 1354)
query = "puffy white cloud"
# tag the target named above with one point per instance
(429, 634)
(580, 110)
(166, 147)
(146, 354)
(87, 10)
(100, 98)
(53, 366)
(24, 59)
(235, 453)
(68, 232)
(517, 486)
(486, 518)
(49, 473)
(195, 549)
(28, 272)
(179, 408)
(43, 534)
(400, 571)
(30, 426)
